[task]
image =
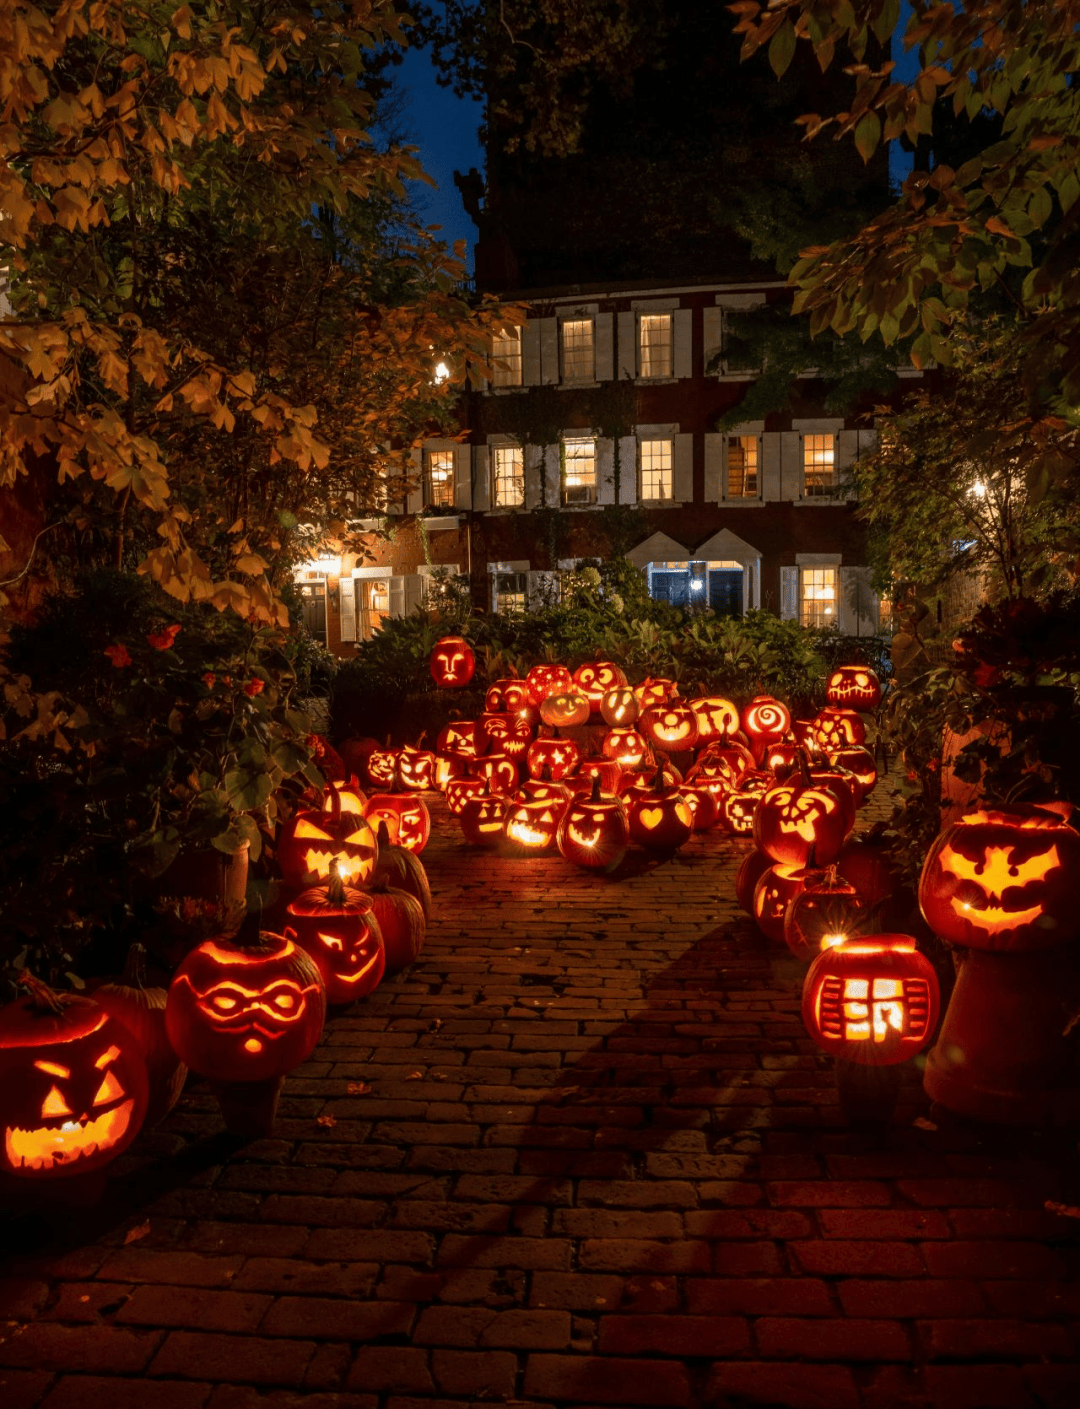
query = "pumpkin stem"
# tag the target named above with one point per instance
(421, 737)
(382, 836)
(594, 796)
(658, 778)
(43, 999)
(335, 886)
(249, 933)
(134, 975)
(804, 768)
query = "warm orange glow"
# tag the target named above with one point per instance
(53, 1069)
(45, 1148)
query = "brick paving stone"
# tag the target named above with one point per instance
(107, 1392)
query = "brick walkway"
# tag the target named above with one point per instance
(599, 1164)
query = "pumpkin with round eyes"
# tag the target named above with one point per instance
(452, 662)
(501, 772)
(660, 818)
(382, 767)
(594, 832)
(780, 758)
(401, 924)
(835, 727)
(855, 686)
(73, 1082)
(311, 839)
(765, 720)
(619, 707)
(407, 819)
(416, 769)
(739, 806)
(246, 1012)
(507, 697)
(827, 911)
(463, 739)
(872, 1000)
(337, 927)
(627, 748)
(1003, 879)
(559, 756)
(531, 825)
(481, 817)
(860, 763)
(655, 691)
(594, 678)
(564, 711)
(671, 726)
(460, 789)
(799, 819)
(717, 718)
(508, 734)
(775, 890)
(545, 680)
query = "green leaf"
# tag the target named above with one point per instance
(867, 135)
(782, 48)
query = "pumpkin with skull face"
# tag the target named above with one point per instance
(507, 697)
(1003, 879)
(835, 727)
(337, 927)
(594, 832)
(595, 678)
(407, 819)
(558, 757)
(545, 680)
(619, 707)
(717, 718)
(312, 839)
(855, 686)
(672, 726)
(452, 663)
(74, 1085)
(872, 1000)
(246, 1012)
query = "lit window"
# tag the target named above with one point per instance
(742, 467)
(579, 360)
(506, 358)
(579, 458)
(508, 591)
(819, 460)
(507, 476)
(440, 479)
(817, 596)
(655, 344)
(656, 471)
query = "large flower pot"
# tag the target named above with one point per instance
(1002, 1055)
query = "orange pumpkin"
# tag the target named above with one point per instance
(416, 769)
(531, 825)
(672, 726)
(401, 924)
(717, 718)
(560, 756)
(872, 1000)
(508, 734)
(141, 1009)
(826, 912)
(655, 691)
(765, 719)
(594, 831)
(507, 697)
(619, 707)
(626, 747)
(835, 727)
(462, 739)
(481, 817)
(337, 928)
(594, 678)
(660, 818)
(855, 686)
(452, 663)
(545, 680)
(406, 817)
(799, 820)
(566, 710)
(312, 839)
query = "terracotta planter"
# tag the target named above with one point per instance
(208, 878)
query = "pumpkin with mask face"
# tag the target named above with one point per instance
(337, 927)
(855, 687)
(594, 832)
(452, 663)
(1003, 879)
(73, 1085)
(246, 1012)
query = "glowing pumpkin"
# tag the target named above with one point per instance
(507, 697)
(464, 739)
(594, 832)
(416, 769)
(728, 762)
(501, 772)
(835, 727)
(545, 680)
(799, 819)
(780, 757)
(382, 767)
(1003, 879)
(754, 865)
(507, 734)
(73, 1082)
(481, 817)
(446, 770)
(606, 769)
(776, 888)
(407, 820)
(559, 756)
(567, 710)
(458, 790)
(860, 763)
(717, 718)
(855, 686)
(311, 840)
(619, 707)
(828, 911)
(531, 826)
(704, 805)
(594, 678)
(872, 1000)
(660, 818)
(626, 747)
(764, 720)
(655, 691)
(739, 806)
(246, 1012)
(337, 927)
(672, 726)
(452, 662)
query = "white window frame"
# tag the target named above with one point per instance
(827, 488)
(429, 476)
(501, 570)
(578, 318)
(507, 360)
(495, 450)
(656, 375)
(730, 442)
(568, 493)
(649, 440)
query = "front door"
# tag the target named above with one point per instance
(725, 591)
(313, 608)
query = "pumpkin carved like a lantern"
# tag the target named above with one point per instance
(855, 686)
(416, 769)
(799, 819)
(729, 762)
(835, 727)
(872, 1000)
(606, 769)
(765, 719)
(507, 697)
(402, 869)
(626, 747)
(73, 1085)
(311, 840)
(382, 767)
(545, 680)
(619, 707)
(458, 790)
(595, 678)
(1003, 879)
(566, 710)
(660, 818)
(452, 662)
(481, 817)
(509, 734)
(717, 718)
(407, 819)
(739, 806)
(337, 927)
(559, 756)
(594, 831)
(860, 763)
(672, 726)
(531, 826)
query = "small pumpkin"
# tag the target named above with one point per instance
(627, 748)
(619, 707)
(463, 738)
(501, 772)
(481, 817)
(654, 691)
(776, 888)
(835, 727)
(660, 818)
(717, 718)
(765, 719)
(416, 769)
(458, 790)
(401, 924)
(382, 767)
(507, 697)
(406, 818)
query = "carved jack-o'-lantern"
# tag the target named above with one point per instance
(461, 739)
(566, 710)
(859, 762)
(73, 1085)
(655, 690)
(446, 770)
(780, 757)
(246, 1012)
(660, 817)
(531, 826)
(1003, 879)
(337, 927)
(452, 662)
(507, 697)
(559, 756)
(606, 769)
(855, 686)
(754, 865)
(835, 727)
(311, 840)
(619, 707)
(498, 770)
(799, 820)
(481, 817)
(739, 806)
(545, 680)
(717, 718)
(382, 767)
(627, 747)
(416, 769)
(407, 819)
(508, 734)
(672, 726)
(703, 803)
(594, 831)
(642, 780)
(458, 790)
(765, 719)
(595, 678)
(728, 762)
(872, 1000)
(776, 888)
(826, 912)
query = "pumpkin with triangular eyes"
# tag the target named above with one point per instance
(654, 691)
(855, 686)
(481, 817)
(73, 1085)
(462, 738)
(312, 839)
(530, 825)
(594, 832)
(727, 761)
(452, 662)
(407, 819)
(337, 927)
(416, 769)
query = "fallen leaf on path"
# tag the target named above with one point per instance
(1066, 1210)
(415, 1076)
(921, 1123)
(134, 1234)
(357, 1088)
(327, 1120)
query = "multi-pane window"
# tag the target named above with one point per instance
(507, 476)
(506, 358)
(819, 462)
(440, 479)
(578, 350)
(742, 467)
(579, 461)
(656, 469)
(655, 332)
(818, 596)
(509, 591)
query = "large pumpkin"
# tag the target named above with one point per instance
(141, 1009)
(1003, 880)
(337, 927)
(311, 839)
(717, 718)
(73, 1085)
(509, 734)
(594, 832)
(595, 678)
(672, 726)
(401, 924)
(452, 662)
(872, 1000)
(507, 697)
(545, 680)
(246, 1012)
(560, 757)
